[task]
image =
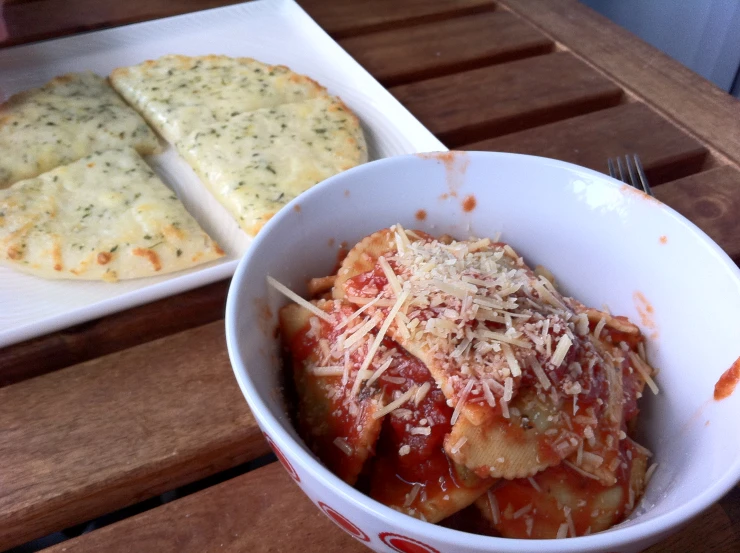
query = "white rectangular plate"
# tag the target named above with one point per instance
(272, 31)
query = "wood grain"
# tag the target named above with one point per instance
(712, 201)
(241, 514)
(361, 16)
(113, 333)
(715, 530)
(687, 99)
(491, 101)
(262, 511)
(29, 20)
(93, 438)
(444, 47)
(666, 152)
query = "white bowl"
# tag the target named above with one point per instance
(604, 242)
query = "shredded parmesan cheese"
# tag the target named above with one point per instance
(422, 393)
(383, 329)
(599, 327)
(534, 484)
(421, 430)
(493, 505)
(580, 471)
(540, 374)
(523, 511)
(380, 371)
(561, 350)
(327, 371)
(396, 403)
(357, 313)
(411, 496)
(569, 521)
(458, 445)
(511, 360)
(562, 531)
(649, 473)
(298, 299)
(644, 371)
(390, 275)
(461, 401)
(363, 331)
(342, 444)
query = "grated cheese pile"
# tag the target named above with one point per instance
(487, 320)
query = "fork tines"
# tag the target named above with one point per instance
(630, 172)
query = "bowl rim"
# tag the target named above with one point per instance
(613, 537)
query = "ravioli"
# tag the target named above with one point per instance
(179, 95)
(339, 426)
(531, 386)
(257, 162)
(103, 217)
(70, 117)
(563, 502)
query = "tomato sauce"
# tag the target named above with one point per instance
(406, 459)
(727, 382)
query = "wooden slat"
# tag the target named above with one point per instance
(29, 20)
(348, 18)
(667, 153)
(714, 531)
(491, 101)
(683, 96)
(400, 56)
(90, 439)
(113, 333)
(264, 511)
(712, 201)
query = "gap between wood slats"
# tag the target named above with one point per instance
(264, 511)
(108, 433)
(450, 46)
(142, 507)
(687, 99)
(667, 153)
(356, 17)
(501, 99)
(112, 333)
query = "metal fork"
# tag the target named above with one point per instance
(631, 173)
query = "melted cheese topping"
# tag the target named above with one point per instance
(68, 118)
(179, 95)
(258, 161)
(104, 217)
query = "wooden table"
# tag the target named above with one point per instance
(112, 413)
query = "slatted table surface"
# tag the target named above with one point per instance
(107, 415)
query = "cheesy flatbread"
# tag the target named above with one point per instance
(258, 161)
(179, 94)
(68, 118)
(104, 217)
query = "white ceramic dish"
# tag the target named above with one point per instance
(273, 31)
(604, 242)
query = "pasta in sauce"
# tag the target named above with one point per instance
(445, 377)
